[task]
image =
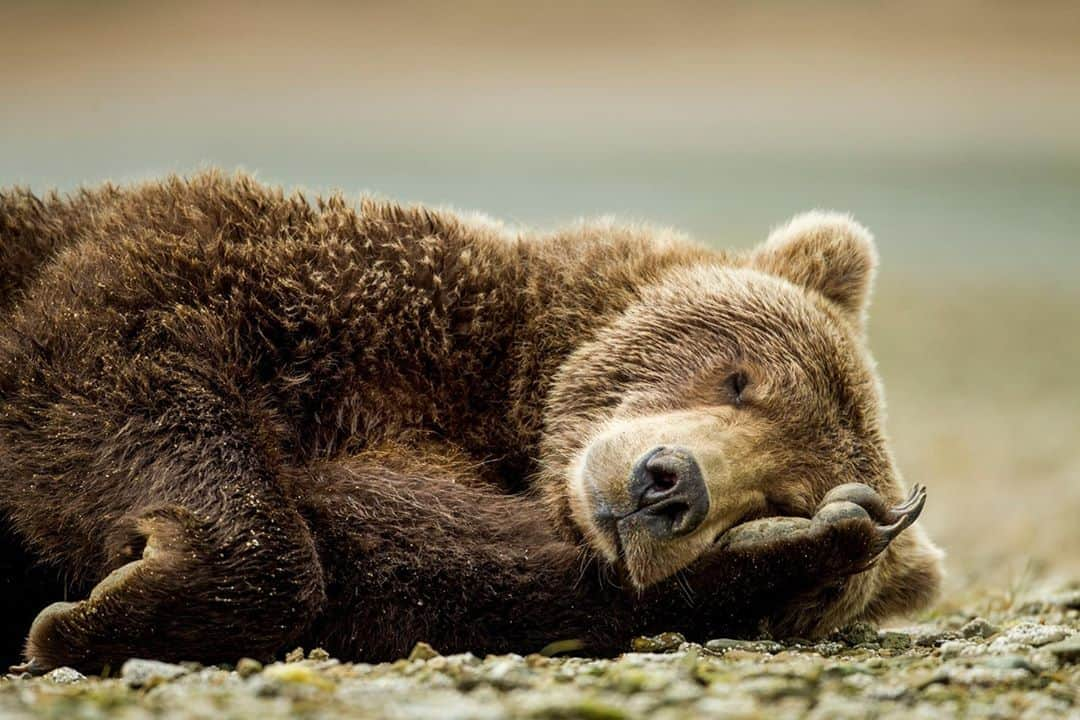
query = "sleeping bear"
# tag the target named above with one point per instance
(234, 420)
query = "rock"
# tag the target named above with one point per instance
(982, 676)
(860, 633)
(934, 638)
(895, 640)
(662, 643)
(318, 654)
(141, 673)
(1069, 599)
(64, 676)
(770, 647)
(423, 651)
(828, 648)
(246, 667)
(297, 674)
(978, 628)
(1032, 634)
(1066, 651)
(1009, 662)
(295, 655)
(955, 648)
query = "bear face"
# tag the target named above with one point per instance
(727, 393)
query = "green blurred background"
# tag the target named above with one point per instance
(951, 129)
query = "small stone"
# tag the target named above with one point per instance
(860, 633)
(295, 655)
(1070, 600)
(982, 676)
(887, 692)
(318, 654)
(1009, 662)
(1033, 634)
(934, 638)
(141, 673)
(1066, 651)
(536, 660)
(266, 688)
(720, 645)
(954, 648)
(423, 651)
(297, 674)
(64, 676)
(978, 628)
(895, 640)
(246, 667)
(828, 648)
(662, 643)
(768, 646)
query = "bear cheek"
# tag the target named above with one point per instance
(649, 561)
(595, 504)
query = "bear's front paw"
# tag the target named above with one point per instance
(858, 507)
(850, 529)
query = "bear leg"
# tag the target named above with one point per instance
(795, 576)
(198, 590)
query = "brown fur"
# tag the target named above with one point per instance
(245, 421)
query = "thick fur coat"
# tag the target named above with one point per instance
(232, 421)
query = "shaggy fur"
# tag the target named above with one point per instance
(236, 421)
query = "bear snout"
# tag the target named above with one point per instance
(669, 491)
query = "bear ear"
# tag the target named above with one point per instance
(827, 252)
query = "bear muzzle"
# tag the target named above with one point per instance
(668, 488)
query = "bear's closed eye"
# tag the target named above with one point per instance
(736, 383)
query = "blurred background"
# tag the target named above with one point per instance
(951, 129)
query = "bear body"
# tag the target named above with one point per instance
(233, 421)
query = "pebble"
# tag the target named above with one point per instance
(981, 676)
(895, 640)
(860, 633)
(1067, 651)
(140, 673)
(934, 638)
(829, 648)
(761, 646)
(1009, 662)
(1070, 599)
(64, 676)
(295, 655)
(662, 643)
(979, 628)
(1033, 634)
(955, 648)
(246, 667)
(423, 651)
(297, 674)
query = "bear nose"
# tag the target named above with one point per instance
(670, 491)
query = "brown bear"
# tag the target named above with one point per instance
(233, 421)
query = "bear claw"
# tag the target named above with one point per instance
(869, 500)
(905, 514)
(31, 666)
(855, 501)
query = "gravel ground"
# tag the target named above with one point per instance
(1023, 661)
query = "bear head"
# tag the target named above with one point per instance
(730, 391)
